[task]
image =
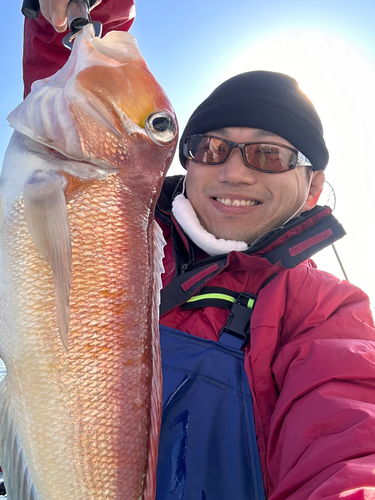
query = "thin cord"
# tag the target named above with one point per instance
(307, 195)
(339, 260)
(331, 198)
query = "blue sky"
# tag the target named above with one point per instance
(328, 46)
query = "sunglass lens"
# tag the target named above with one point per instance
(269, 157)
(205, 149)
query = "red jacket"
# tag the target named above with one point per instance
(311, 356)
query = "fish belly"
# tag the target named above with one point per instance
(87, 418)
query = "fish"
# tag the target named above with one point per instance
(80, 265)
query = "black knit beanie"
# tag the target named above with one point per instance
(265, 100)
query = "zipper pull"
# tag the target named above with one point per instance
(184, 268)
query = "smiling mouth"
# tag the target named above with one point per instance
(237, 203)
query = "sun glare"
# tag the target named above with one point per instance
(338, 80)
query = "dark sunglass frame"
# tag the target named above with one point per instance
(241, 145)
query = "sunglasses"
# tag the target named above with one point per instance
(267, 157)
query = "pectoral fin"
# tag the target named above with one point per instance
(48, 223)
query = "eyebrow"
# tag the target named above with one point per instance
(258, 133)
(264, 133)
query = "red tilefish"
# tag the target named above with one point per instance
(80, 265)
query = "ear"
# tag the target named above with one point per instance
(316, 188)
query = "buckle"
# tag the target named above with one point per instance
(238, 322)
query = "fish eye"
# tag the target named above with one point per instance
(161, 128)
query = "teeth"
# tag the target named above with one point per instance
(237, 203)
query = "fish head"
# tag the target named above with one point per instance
(102, 112)
(123, 118)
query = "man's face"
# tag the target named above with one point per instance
(235, 202)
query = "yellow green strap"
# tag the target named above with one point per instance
(220, 296)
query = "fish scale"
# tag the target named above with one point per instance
(107, 343)
(81, 258)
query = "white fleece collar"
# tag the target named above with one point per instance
(185, 215)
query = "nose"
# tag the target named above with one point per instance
(235, 171)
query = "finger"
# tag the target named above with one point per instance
(59, 21)
(55, 12)
(58, 14)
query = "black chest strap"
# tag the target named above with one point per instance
(186, 285)
(240, 304)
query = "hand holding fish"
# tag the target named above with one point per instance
(55, 12)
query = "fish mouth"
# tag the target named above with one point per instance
(236, 202)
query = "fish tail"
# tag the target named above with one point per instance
(17, 478)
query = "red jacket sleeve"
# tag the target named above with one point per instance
(43, 51)
(322, 431)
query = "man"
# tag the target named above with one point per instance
(254, 174)
(268, 363)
